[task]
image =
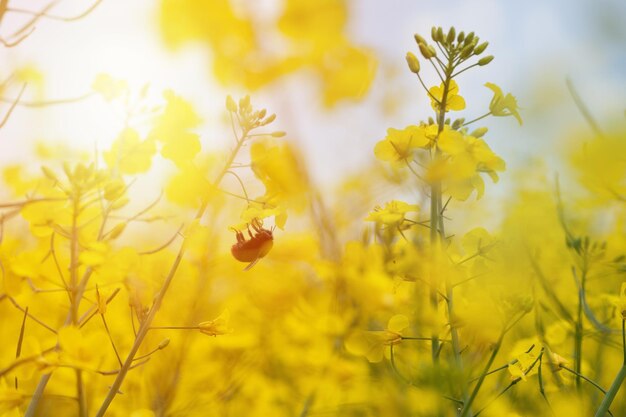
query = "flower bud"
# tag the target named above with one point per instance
(49, 174)
(461, 37)
(269, 119)
(480, 48)
(419, 39)
(116, 231)
(425, 51)
(440, 36)
(164, 344)
(230, 104)
(68, 170)
(467, 51)
(414, 64)
(479, 133)
(451, 35)
(485, 60)
(278, 134)
(433, 33)
(244, 102)
(469, 38)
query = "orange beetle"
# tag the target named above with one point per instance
(255, 248)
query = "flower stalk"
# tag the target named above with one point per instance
(147, 322)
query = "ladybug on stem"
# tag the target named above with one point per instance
(255, 248)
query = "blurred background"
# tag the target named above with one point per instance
(537, 45)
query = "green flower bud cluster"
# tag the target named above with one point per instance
(457, 47)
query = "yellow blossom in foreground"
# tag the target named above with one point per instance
(82, 349)
(392, 214)
(454, 100)
(217, 326)
(10, 399)
(279, 167)
(557, 361)
(526, 365)
(108, 87)
(372, 344)
(129, 154)
(502, 105)
(398, 146)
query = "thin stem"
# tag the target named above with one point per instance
(592, 382)
(583, 109)
(106, 327)
(466, 409)
(15, 102)
(617, 382)
(35, 319)
(436, 70)
(55, 17)
(578, 332)
(512, 383)
(47, 103)
(477, 119)
(147, 322)
(427, 90)
(464, 69)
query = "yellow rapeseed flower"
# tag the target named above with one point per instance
(399, 145)
(453, 101)
(392, 214)
(217, 326)
(372, 344)
(502, 105)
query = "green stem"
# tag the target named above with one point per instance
(617, 382)
(434, 222)
(611, 393)
(592, 382)
(477, 119)
(75, 299)
(578, 335)
(468, 404)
